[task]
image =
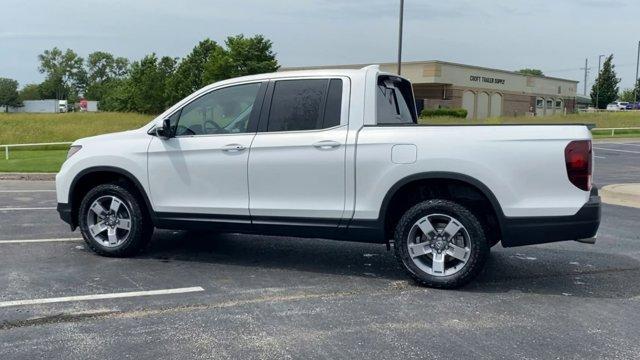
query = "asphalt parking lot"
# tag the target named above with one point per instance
(239, 296)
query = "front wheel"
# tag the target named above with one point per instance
(441, 244)
(113, 222)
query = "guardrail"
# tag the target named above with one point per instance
(613, 130)
(6, 147)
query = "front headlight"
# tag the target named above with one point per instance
(73, 149)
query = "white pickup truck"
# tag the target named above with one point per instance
(334, 154)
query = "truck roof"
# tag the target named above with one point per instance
(297, 73)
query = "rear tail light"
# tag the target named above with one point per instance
(578, 158)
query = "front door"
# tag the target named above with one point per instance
(203, 168)
(297, 159)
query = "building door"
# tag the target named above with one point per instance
(550, 108)
(469, 103)
(482, 106)
(539, 107)
(496, 105)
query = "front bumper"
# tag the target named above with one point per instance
(66, 214)
(539, 230)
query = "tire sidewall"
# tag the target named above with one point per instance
(136, 218)
(477, 242)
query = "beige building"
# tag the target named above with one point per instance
(483, 92)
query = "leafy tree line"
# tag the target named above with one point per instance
(148, 85)
(632, 94)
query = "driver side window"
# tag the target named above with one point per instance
(223, 111)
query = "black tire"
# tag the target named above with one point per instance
(141, 227)
(478, 245)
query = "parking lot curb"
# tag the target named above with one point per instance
(621, 194)
(28, 176)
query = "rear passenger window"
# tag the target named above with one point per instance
(305, 104)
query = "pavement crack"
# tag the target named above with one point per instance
(55, 319)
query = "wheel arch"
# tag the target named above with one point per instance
(101, 175)
(425, 178)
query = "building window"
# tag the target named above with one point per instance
(549, 103)
(539, 102)
(559, 90)
(559, 104)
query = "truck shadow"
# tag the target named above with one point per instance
(544, 270)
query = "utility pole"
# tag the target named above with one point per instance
(586, 69)
(635, 85)
(598, 83)
(400, 37)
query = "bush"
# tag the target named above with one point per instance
(457, 113)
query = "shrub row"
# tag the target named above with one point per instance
(458, 113)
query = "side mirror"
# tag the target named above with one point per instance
(164, 131)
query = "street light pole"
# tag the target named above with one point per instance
(400, 37)
(635, 85)
(598, 82)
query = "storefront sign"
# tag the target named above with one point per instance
(488, 80)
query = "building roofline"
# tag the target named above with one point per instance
(425, 62)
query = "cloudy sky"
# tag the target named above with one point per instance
(553, 35)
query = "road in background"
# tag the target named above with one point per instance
(272, 297)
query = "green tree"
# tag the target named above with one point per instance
(30, 92)
(605, 90)
(8, 93)
(65, 74)
(531, 72)
(116, 96)
(627, 95)
(102, 67)
(242, 56)
(188, 76)
(147, 84)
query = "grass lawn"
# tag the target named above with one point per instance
(40, 128)
(33, 161)
(24, 128)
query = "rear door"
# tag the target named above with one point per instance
(297, 159)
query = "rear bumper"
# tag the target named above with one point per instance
(539, 230)
(64, 210)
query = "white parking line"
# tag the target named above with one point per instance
(24, 241)
(599, 157)
(21, 208)
(631, 144)
(624, 151)
(100, 296)
(24, 191)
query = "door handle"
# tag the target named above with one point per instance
(233, 148)
(326, 144)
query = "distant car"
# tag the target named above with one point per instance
(618, 106)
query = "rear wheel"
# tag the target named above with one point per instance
(441, 244)
(113, 222)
